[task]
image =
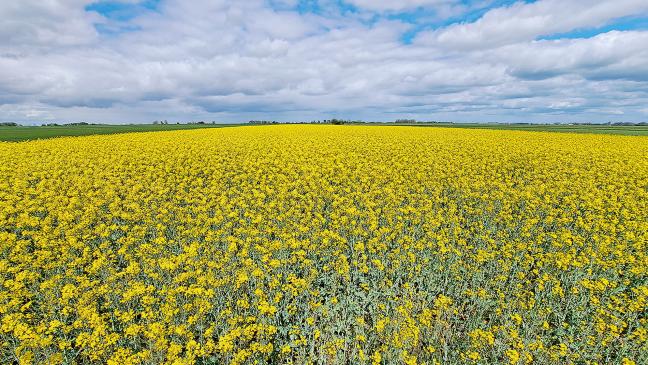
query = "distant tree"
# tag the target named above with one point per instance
(263, 122)
(9, 124)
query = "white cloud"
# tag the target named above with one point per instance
(527, 21)
(612, 55)
(232, 61)
(45, 23)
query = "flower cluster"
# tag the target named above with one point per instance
(325, 245)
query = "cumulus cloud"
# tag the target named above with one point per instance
(45, 23)
(238, 60)
(527, 21)
(613, 55)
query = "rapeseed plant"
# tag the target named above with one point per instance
(325, 245)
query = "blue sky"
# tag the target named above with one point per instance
(122, 11)
(231, 61)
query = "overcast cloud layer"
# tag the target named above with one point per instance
(289, 60)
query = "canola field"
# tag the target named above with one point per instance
(325, 245)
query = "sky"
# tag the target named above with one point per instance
(136, 61)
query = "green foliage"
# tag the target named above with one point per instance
(15, 134)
